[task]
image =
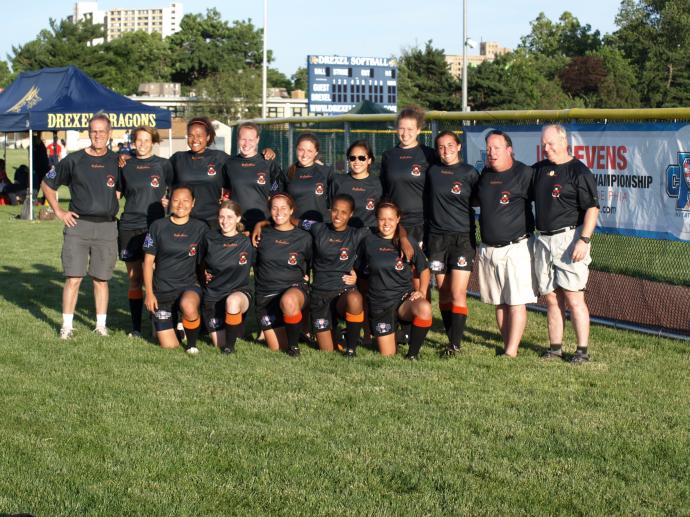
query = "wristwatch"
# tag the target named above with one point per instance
(585, 239)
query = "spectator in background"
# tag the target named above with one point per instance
(54, 151)
(41, 164)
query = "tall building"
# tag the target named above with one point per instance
(488, 51)
(164, 20)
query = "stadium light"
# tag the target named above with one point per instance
(465, 43)
(264, 74)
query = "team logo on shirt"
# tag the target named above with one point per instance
(192, 249)
(371, 204)
(552, 173)
(155, 181)
(211, 170)
(343, 254)
(51, 173)
(556, 192)
(110, 181)
(416, 170)
(148, 241)
(462, 261)
(292, 259)
(456, 188)
(505, 198)
(261, 178)
(319, 189)
(321, 323)
(244, 258)
(399, 266)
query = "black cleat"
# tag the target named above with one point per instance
(227, 350)
(552, 354)
(450, 351)
(293, 351)
(411, 357)
(350, 353)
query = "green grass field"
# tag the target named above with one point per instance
(113, 426)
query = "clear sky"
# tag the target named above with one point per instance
(377, 28)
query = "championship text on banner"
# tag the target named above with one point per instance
(642, 172)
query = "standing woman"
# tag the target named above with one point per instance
(282, 266)
(309, 182)
(392, 296)
(202, 169)
(451, 187)
(364, 187)
(403, 171)
(172, 245)
(144, 181)
(227, 256)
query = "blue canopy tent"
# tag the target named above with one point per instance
(65, 98)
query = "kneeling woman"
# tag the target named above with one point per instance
(172, 245)
(227, 256)
(392, 296)
(280, 273)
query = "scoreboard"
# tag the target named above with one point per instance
(337, 83)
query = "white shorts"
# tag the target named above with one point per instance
(506, 275)
(553, 263)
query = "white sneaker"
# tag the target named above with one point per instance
(66, 334)
(192, 350)
(101, 331)
(135, 334)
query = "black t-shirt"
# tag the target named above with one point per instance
(366, 193)
(92, 182)
(335, 253)
(505, 199)
(143, 183)
(403, 176)
(251, 182)
(309, 186)
(176, 248)
(228, 260)
(282, 260)
(206, 174)
(390, 276)
(563, 193)
(450, 190)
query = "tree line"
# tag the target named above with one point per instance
(559, 64)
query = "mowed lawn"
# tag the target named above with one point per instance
(114, 426)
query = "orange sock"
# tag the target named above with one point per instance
(457, 309)
(296, 318)
(233, 319)
(191, 325)
(419, 322)
(135, 294)
(355, 318)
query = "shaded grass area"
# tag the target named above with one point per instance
(111, 426)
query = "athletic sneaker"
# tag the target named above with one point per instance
(192, 350)
(350, 353)
(579, 358)
(227, 350)
(411, 357)
(293, 351)
(552, 354)
(135, 334)
(66, 334)
(450, 351)
(101, 331)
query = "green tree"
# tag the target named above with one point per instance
(566, 38)
(277, 79)
(424, 78)
(654, 36)
(6, 77)
(300, 79)
(230, 94)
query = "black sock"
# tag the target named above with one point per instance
(232, 332)
(352, 331)
(555, 348)
(417, 335)
(293, 328)
(136, 307)
(581, 350)
(457, 331)
(191, 333)
(447, 317)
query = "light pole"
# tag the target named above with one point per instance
(464, 55)
(264, 75)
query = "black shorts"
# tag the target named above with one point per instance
(383, 321)
(214, 311)
(165, 318)
(417, 233)
(267, 309)
(324, 314)
(130, 244)
(450, 251)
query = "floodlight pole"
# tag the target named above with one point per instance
(264, 78)
(31, 175)
(464, 55)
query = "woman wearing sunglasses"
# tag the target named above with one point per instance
(360, 184)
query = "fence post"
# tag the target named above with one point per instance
(434, 129)
(290, 135)
(346, 127)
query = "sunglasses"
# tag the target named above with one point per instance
(361, 158)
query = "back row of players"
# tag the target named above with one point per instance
(336, 225)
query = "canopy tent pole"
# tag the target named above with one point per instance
(170, 141)
(30, 194)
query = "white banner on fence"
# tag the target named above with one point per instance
(642, 171)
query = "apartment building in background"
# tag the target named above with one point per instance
(488, 51)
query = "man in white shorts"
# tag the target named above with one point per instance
(567, 207)
(506, 278)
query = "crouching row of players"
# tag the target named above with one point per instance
(180, 250)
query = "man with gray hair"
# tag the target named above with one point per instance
(567, 207)
(90, 244)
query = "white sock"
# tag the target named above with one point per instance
(67, 320)
(100, 320)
